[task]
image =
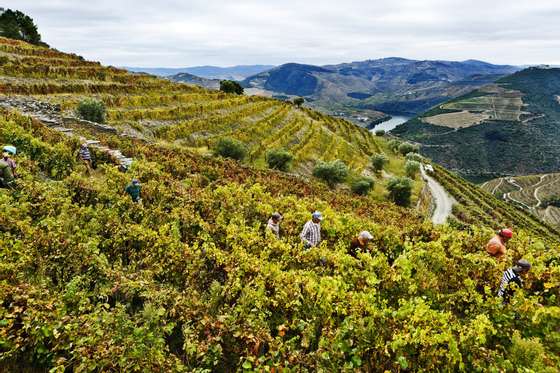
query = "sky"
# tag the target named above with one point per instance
(174, 33)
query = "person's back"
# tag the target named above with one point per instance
(495, 247)
(513, 276)
(6, 175)
(133, 189)
(359, 243)
(273, 224)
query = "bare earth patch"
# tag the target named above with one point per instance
(462, 119)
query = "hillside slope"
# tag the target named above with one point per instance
(189, 281)
(159, 110)
(391, 85)
(538, 194)
(196, 80)
(508, 128)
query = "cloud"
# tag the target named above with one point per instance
(184, 33)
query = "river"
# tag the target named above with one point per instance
(390, 124)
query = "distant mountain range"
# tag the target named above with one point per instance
(392, 85)
(209, 72)
(506, 128)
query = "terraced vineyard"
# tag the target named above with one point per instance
(189, 281)
(479, 206)
(159, 110)
(530, 193)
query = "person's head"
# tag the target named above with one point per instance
(317, 217)
(8, 151)
(522, 267)
(135, 182)
(505, 234)
(365, 236)
(276, 217)
(84, 145)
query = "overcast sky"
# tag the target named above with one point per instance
(174, 33)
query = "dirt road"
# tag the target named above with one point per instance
(442, 200)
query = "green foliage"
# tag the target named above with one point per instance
(413, 156)
(298, 101)
(362, 186)
(407, 147)
(400, 190)
(412, 168)
(553, 200)
(279, 159)
(394, 145)
(230, 86)
(92, 110)
(378, 161)
(16, 25)
(189, 282)
(527, 354)
(332, 173)
(230, 148)
(380, 133)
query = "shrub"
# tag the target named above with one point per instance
(362, 186)
(411, 168)
(394, 145)
(4, 60)
(331, 172)
(379, 133)
(414, 157)
(92, 110)
(229, 86)
(527, 353)
(279, 159)
(407, 147)
(230, 148)
(400, 190)
(378, 161)
(298, 101)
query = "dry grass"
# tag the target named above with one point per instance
(462, 119)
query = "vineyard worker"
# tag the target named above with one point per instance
(6, 176)
(513, 276)
(273, 224)
(311, 233)
(7, 152)
(133, 190)
(497, 244)
(359, 244)
(85, 156)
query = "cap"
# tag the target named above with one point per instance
(366, 235)
(317, 215)
(507, 233)
(135, 181)
(10, 149)
(277, 216)
(523, 264)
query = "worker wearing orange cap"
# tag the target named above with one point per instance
(496, 247)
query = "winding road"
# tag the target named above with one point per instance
(442, 200)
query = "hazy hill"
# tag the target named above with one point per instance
(196, 80)
(392, 85)
(209, 72)
(507, 128)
